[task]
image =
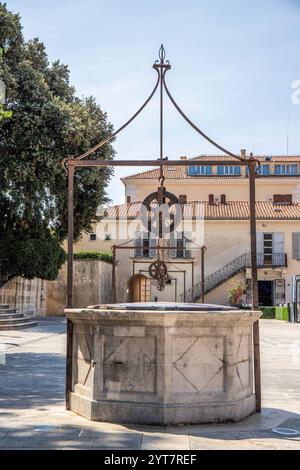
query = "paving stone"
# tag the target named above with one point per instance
(223, 441)
(165, 441)
(42, 442)
(291, 423)
(102, 428)
(32, 389)
(115, 440)
(267, 439)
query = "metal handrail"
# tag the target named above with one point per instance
(232, 268)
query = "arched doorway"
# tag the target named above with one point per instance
(139, 288)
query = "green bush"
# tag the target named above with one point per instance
(98, 255)
(268, 312)
(279, 313)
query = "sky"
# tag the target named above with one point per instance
(233, 66)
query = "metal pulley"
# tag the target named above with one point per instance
(161, 212)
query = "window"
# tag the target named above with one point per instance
(229, 170)
(199, 170)
(93, 237)
(286, 169)
(268, 248)
(264, 170)
(144, 245)
(282, 198)
(180, 247)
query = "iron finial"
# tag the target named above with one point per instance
(162, 53)
(162, 63)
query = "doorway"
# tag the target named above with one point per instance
(139, 288)
(265, 293)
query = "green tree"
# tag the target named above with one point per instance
(47, 123)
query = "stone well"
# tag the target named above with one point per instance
(162, 363)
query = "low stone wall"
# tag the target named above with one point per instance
(28, 295)
(92, 285)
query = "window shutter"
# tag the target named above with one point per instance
(220, 170)
(209, 170)
(188, 241)
(191, 170)
(152, 246)
(278, 242)
(296, 245)
(259, 242)
(172, 243)
(278, 246)
(294, 169)
(237, 170)
(138, 245)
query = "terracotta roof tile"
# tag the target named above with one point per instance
(232, 210)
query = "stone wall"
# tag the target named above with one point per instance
(28, 295)
(92, 285)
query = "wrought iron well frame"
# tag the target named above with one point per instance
(161, 66)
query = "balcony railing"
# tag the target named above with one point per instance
(272, 260)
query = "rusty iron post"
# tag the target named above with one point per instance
(203, 250)
(256, 345)
(113, 280)
(70, 235)
(193, 279)
(69, 359)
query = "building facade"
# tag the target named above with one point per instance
(214, 202)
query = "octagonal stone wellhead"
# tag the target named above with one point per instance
(162, 363)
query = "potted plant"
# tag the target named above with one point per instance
(236, 294)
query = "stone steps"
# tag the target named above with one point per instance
(18, 326)
(4, 311)
(7, 316)
(4, 306)
(10, 319)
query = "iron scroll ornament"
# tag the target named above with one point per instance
(163, 218)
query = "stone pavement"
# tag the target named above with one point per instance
(32, 414)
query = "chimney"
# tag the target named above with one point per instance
(211, 199)
(183, 157)
(243, 153)
(128, 198)
(223, 198)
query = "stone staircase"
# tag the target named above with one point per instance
(232, 268)
(10, 319)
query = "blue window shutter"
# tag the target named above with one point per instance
(237, 170)
(220, 170)
(247, 171)
(209, 170)
(277, 169)
(294, 169)
(191, 170)
(265, 170)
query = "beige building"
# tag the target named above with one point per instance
(215, 213)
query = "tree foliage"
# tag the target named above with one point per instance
(48, 123)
